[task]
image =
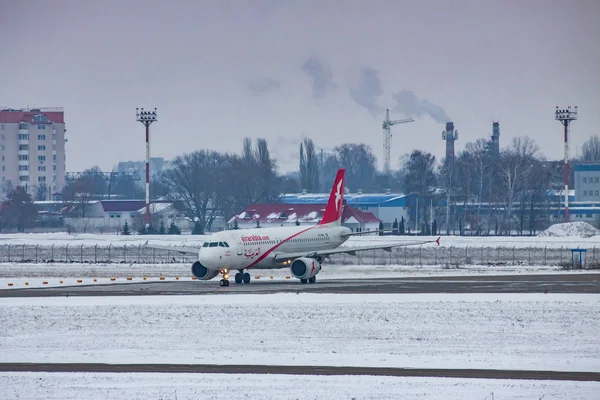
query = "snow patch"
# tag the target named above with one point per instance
(570, 229)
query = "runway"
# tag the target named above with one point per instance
(518, 283)
(303, 370)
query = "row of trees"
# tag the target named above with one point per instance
(513, 182)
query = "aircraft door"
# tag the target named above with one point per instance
(238, 244)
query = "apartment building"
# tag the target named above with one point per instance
(32, 151)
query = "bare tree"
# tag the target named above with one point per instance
(82, 190)
(194, 179)
(309, 166)
(256, 175)
(476, 166)
(446, 180)
(420, 177)
(591, 149)
(516, 164)
(359, 162)
(265, 172)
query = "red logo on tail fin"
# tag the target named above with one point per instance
(333, 212)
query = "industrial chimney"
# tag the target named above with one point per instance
(450, 135)
(496, 137)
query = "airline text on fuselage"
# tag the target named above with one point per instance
(254, 238)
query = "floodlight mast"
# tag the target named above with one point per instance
(147, 118)
(565, 116)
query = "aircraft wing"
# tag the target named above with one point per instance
(350, 250)
(363, 233)
(179, 249)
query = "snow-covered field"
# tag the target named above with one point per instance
(499, 331)
(142, 386)
(74, 240)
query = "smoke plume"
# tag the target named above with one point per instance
(263, 85)
(366, 94)
(408, 104)
(321, 76)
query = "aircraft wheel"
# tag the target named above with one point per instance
(312, 280)
(246, 277)
(224, 282)
(238, 278)
(303, 280)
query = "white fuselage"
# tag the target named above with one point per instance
(256, 248)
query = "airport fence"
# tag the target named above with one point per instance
(412, 255)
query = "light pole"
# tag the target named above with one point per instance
(147, 118)
(565, 116)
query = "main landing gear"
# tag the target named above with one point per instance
(225, 280)
(309, 280)
(242, 277)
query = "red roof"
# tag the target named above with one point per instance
(360, 216)
(16, 116)
(308, 213)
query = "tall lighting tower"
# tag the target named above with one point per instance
(565, 116)
(387, 138)
(147, 118)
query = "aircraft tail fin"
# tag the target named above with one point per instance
(335, 206)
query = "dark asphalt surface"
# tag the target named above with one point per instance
(518, 283)
(304, 370)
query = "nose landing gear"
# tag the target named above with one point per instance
(225, 280)
(242, 277)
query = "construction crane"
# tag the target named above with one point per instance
(387, 138)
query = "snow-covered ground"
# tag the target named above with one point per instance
(499, 331)
(75, 240)
(143, 386)
(571, 229)
(23, 275)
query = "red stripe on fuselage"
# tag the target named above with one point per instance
(266, 253)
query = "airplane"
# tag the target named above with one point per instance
(303, 249)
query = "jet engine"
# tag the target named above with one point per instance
(203, 273)
(305, 268)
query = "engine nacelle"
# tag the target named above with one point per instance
(305, 268)
(203, 273)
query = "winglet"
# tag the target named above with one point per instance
(438, 240)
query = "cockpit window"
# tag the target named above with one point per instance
(221, 244)
(205, 244)
(214, 244)
(226, 244)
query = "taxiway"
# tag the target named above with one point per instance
(518, 283)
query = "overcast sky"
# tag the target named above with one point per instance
(221, 70)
